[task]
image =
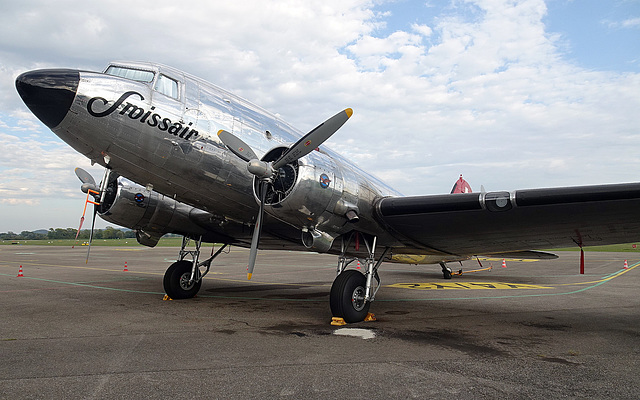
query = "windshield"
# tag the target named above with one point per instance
(130, 73)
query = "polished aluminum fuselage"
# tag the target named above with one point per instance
(170, 145)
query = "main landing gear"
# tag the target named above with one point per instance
(353, 291)
(183, 278)
(446, 271)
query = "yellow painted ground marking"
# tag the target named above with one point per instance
(466, 285)
(605, 279)
(506, 259)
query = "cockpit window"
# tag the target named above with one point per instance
(130, 73)
(167, 86)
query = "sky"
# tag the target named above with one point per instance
(512, 94)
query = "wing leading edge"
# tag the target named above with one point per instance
(497, 222)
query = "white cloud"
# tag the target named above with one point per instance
(482, 89)
(629, 23)
(15, 202)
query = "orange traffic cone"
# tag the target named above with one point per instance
(626, 265)
(358, 266)
(504, 264)
(125, 267)
(20, 275)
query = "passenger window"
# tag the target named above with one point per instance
(129, 73)
(167, 86)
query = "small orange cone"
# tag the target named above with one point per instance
(626, 265)
(125, 267)
(20, 275)
(358, 267)
(504, 264)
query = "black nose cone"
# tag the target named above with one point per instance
(48, 93)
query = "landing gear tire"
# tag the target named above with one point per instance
(176, 281)
(446, 273)
(347, 296)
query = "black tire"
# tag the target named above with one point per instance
(346, 289)
(446, 273)
(176, 278)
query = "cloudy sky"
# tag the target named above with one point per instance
(511, 93)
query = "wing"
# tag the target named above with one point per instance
(495, 222)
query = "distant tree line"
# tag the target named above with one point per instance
(69, 233)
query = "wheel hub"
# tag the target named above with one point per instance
(184, 281)
(357, 298)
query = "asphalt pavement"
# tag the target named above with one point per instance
(70, 329)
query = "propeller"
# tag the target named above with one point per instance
(265, 171)
(91, 189)
(87, 180)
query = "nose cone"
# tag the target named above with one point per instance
(48, 93)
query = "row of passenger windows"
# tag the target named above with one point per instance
(164, 84)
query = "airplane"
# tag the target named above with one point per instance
(184, 156)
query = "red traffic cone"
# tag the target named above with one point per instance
(626, 265)
(358, 266)
(125, 267)
(504, 264)
(20, 275)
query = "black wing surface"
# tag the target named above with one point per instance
(498, 222)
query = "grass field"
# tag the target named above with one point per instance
(616, 248)
(164, 242)
(176, 242)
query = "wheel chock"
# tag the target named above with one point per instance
(166, 297)
(339, 321)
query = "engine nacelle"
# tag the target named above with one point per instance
(149, 213)
(320, 196)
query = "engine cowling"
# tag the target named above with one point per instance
(317, 195)
(149, 213)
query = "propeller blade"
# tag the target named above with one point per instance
(313, 139)
(264, 171)
(255, 240)
(81, 221)
(237, 146)
(103, 186)
(93, 224)
(84, 176)
(75, 241)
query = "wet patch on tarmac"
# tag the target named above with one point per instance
(549, 327)
(295, 329)
(396, 312)
(559, 360)
(449, 339)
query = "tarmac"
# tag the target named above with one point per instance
(77, 330)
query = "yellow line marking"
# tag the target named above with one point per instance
(466, 285)
(606, 278)
(501, 285)
(508, 259)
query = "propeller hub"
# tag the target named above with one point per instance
(261, 169)
(89, 186)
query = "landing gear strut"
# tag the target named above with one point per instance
(352, 291)
(183, 278)
(446, 271)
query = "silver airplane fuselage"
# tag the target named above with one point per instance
(157, 126)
